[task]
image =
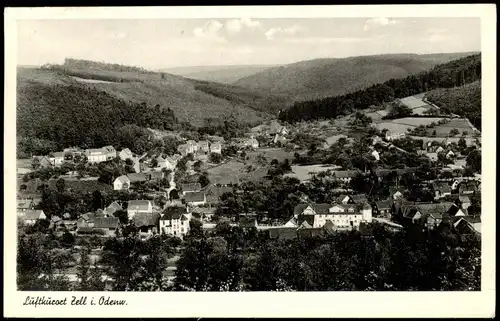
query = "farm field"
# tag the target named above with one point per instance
(468, 140)
(270, 154)
(416, 121)
(394, 127)
(303, 172)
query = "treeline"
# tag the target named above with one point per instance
(89, 75)
(455, 73)
(88, 64)
(62, 116)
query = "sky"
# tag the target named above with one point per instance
(167, 43)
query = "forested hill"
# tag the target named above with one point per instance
(448, 75)
(319, 78)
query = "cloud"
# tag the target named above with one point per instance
(290, 31)
(234, 26)
(210, 31)
(378, 22)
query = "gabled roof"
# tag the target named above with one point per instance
(32, 214)
(123, 179)
(105, 222)
(386, 204)
(194, 197)
(155, 175)
(137, 177)
(305, 224)
(442, 187)
(59, 154)
(284, 233)
(146, 219)
(113, 207)
(434, 209)
(141, 205)
(173, 213)
(193, 187)
(346, 174)
(341, 198)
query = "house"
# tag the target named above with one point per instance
(192, 146)
(125, 154)
(96, 155)
(183, 149)
(252, 142)
(213, 193)
(283, 233)
(58, 158)
(216, 147)
(375, 155)
(345, 176)
(204, 213)
(439, 149)
(155, 175)
(393, 135)
(121, 183)
(450, 154)
(195, 198)
(474, 221)
(136, 165)
(139, 206)
(174, 221)
(343, 199)
(43, 161)
(25, 205)
(430, 215)
(441, 189)
(291, 223)
(343, 216)
(396, 193)
(56, 222)
(165, 163)
(106, 225)
(112, 208)
(383, 208)
(29, 217)
(465, 201)
(278, 138)
(147, 223)
(188, 188)
(137, 177)
(110, 152)
(204, 146)
(464, 227)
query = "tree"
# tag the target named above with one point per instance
(434, 133)
(399, 111)
(67, 239)
(454, 132)
(215, 158)
(203, 179)
(195, 227)
(90, 276)
(122, 216)
(61, 185)
(462, 144)
(474, 160)
(154, 162)
(197, 166)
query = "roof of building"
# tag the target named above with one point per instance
(305, 224)
(359, 198)
(385, 204)
(105, 222)
(146, 219)
(32, 214)
(194, 197)
(137, 177)
(434, 209)
(325, 208)
(155, 174)
(346, 174)
(311, 232)
(59, 154)
(283, 233)
(192, 187)
(442, 187)
(173, 213)
(24, 204)
(341, 198)
(113, 207)
(141, 205)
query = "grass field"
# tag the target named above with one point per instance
(416, 121)
(303, 172)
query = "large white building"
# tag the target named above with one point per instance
(139, 206)
(175, 221)
(343, 216)
(100, 154)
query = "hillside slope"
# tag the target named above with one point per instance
(464, 101)
(183, 96)
(320, 78)
(221, 74)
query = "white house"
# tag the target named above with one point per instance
(204, 146)
(174, 221)
(121, 183)
(392, 136)
(31, 216)
(110, 152)
(58, 158)
(167, 163)
(343, 216)
(96, 155)
(376, 155)
(125, 154)
(252, 142)
(216, 147)
(139, 206)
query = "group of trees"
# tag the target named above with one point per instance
(61, 116)
(447, 75)
(375, 260)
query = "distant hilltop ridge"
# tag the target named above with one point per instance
(95, 65)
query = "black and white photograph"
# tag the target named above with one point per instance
(249, 154)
